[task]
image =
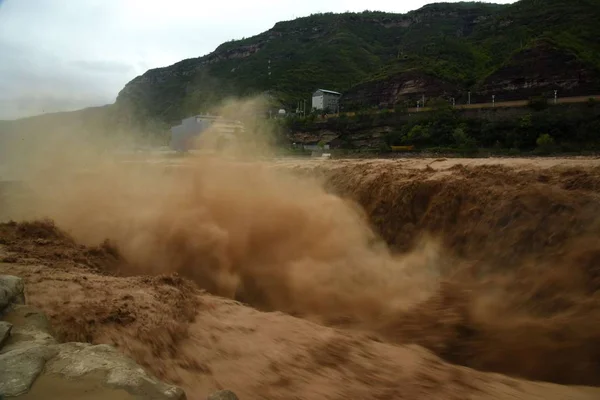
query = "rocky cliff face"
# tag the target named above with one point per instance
(534, 71)
(402, 89)
(539, 70)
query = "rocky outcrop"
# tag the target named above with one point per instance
(539, 70)
(235, 53)
(11, 291)
(223, 395)
(5, 329)
(534, 71)
(34, 365)
(396, 89)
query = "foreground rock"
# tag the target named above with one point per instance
(223, 395)
(11, 291)
(34, 365)
(5, 329)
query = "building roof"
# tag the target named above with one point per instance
(328, 91)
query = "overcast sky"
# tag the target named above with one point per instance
(58, 55)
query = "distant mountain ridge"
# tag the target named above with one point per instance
(517, 50)
(378, 59)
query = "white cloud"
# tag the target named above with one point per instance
(81, 53)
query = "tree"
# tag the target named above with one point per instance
(545, 144)
(461, 138)
(417, 135)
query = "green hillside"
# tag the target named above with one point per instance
(461, 44)
(529, 48)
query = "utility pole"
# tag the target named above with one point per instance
(555, 96)
(469, 101)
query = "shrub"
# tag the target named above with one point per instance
(384, 147)
(545, 144)
(462, 139)
(417, 135)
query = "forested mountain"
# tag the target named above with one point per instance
(515, 51)
(376, 59)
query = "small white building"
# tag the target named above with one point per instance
(326, 100)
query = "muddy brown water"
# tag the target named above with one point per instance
(488, 264)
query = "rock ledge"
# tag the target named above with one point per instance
(34, 364)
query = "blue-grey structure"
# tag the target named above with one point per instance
(184, 135)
